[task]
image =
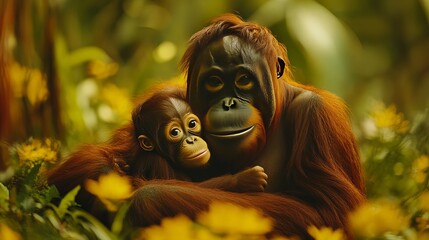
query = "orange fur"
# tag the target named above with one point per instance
(320, 165)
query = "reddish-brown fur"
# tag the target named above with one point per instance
(320, 166)
(321, 178)
(159, 199)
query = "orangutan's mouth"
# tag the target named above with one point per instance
(232, 134)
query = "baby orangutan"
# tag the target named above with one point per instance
(169, 136)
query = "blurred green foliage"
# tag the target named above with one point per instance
(362, 50)
(70, 70)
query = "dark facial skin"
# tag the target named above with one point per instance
(178, 136)
(226, 93)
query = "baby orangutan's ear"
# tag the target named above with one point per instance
(146, 143)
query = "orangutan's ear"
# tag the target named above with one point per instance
(280, 67)
(146, 143)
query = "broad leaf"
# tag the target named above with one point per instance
(67, 201)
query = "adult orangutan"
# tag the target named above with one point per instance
(161, 142)
(239, 84)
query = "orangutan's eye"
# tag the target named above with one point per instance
(244, 82)
(214, 84)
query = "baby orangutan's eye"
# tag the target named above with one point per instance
(192, 124)
(175, 132)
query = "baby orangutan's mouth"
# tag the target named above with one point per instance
(198, 155)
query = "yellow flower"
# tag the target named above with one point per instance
(111, 189)
(389, 118)
(424, 201)
(179, 227)
(118, 99)
(100, 69)
(7, 233)
(30, 82)
(233, 219)
(284, 238)
(202, 233)
(37, 90)
(420, 168)
(378, 217)
(165, 52)
(36, 150)
(325, 233)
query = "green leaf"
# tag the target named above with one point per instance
(4, 192)
(32, 176)
(52, 193)
(52, 217)
(330, 57)
(45, 194)
(270, 12)
(4, 196)
(67, 201)
(118, 222)
(86, 54)
(25, 195)
(98, 228)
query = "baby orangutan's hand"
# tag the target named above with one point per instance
(251, 180)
